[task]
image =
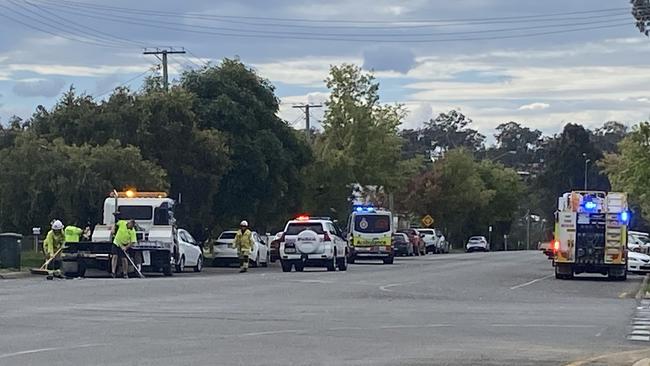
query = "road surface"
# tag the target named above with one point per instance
(456, 309)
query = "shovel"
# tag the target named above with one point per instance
(132, 263)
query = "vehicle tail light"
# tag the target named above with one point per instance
(326, 237)
(556, 245)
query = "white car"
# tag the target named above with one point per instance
(429, 238)
(190, 252)
(477, 243)
(638, 262)
(225, 252)
(638, 242)
(312, 242)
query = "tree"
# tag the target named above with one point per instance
(359, 143)
(641, 13)
(445, 132)
(517, 145)
(264, 184)
(629, 170)
(609, 135)
(565, 166)
(43, 180)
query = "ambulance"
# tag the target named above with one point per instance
(370, 234)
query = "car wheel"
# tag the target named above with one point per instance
(343, 263)
(256, 262)
(266, 262)
(180, 267)
(389, 260)
(351, 259)
(199, 264)
(286, 266)
(331, 265)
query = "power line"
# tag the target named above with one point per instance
(34, 27)
(70, 23)
(306, 108)
(194, 28)
(322, 35)
(164, 53)
(165, 25)
(124, 83)
(345, 21)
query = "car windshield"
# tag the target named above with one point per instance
(476, 238)
(426, 231)
(372, 224)
(296, 228)
(136, 212)
(227, 235)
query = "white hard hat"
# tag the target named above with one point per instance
(57, 225)
(243, 223)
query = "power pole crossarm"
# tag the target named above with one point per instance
(306, 108)
(164, 53)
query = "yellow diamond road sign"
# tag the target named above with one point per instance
(427, 220)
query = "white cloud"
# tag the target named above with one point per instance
(74, 70)
(534, 107)
(309, 71)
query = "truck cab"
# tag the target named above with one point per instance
(155, 227)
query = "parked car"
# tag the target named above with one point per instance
(274, 247)
(430, 240)
(638, 242)
(441, 242)
(402, 246)
(638, 262)
(547, 248)
(313, 242)
(479, 243)
(225, 253)
(190, 252)
(416, 239)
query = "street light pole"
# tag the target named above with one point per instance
(528, 230)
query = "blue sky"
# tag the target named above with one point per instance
(473, 57)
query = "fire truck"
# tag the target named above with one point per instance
(591, 234)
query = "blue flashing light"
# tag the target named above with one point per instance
(624, 217)
(590, 206)
(363, 208)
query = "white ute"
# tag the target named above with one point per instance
(312, 242)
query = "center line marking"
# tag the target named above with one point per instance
(386, 288)
(530, 282)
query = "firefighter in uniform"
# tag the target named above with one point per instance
(244, 244)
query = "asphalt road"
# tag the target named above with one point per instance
(457, 309)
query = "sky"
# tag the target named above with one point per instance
(543, 64)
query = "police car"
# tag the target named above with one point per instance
(312, 242)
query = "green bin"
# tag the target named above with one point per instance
(10, 248)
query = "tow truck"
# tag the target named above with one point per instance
(155, 229)
(591, 234)
(370, 234)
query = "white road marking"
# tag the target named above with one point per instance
(312, 281)
(39, 350)
(531, 282)
(273, 332)
(544, 325)
(386, 288)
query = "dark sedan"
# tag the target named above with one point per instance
(402, 246)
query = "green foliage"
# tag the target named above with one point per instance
(264, 184)
(42, 180)
(359, 143)
(464, 196)
(629, 170)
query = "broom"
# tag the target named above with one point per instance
(43, 269)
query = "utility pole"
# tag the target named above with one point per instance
(306, 107)
(164, 53)
(528, 230)
(587, 161)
